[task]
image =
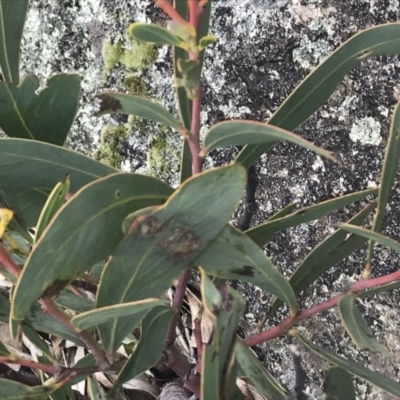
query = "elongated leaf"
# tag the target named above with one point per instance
(12, 18)
(283, 212)
(65, 392)
(46, 117)
(74, 302)
(250, 366)
(45, 323)
(26, 203)
(377, 237)
(112, 102)
(218, 372)
(383, 288)
(389, 170)
(185, 104)
(3, 350)
(4, 302)
(154, 34)
(10, 390)
(93, 390)
(108, 314)
(232, 255)
(28, 164)
(328, 253)
(338, 385)
(357, 328)
(186, 162)
(53, 203)
(362, 372)
(204, 27)
(151, 344)
(237, 132)
(35, 339)
(163, 245)
(85, 231)
(14, 328)
(262, 233)
(317, 87)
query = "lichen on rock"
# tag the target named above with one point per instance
(366, 131)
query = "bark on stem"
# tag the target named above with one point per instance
(51, 369)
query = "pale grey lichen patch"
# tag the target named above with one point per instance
(349, 104)
(310, 54)
(366, 131)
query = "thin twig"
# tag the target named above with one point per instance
(286, 324)
(51, 308)
(51, 369)
(177, 303)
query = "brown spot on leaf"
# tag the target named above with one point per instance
(180, 244)
(107, 104)
(151, 227)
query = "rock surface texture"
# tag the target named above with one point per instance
(264, 49)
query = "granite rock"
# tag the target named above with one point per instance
(264, 49)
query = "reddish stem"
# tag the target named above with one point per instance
(51, 369)
(194, 139)
(8, 262)
(197, 164)
(286, 324)
(177, 304)
(101, 359)
(170, 11)
(194, 13)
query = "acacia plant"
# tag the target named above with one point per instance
(103, 259)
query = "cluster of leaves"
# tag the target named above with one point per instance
(73, 226)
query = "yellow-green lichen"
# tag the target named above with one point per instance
(163, 157)
(112, 53)
(134, 84)
(112, 138)
(140, 56)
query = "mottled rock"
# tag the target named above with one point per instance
(264, 49)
